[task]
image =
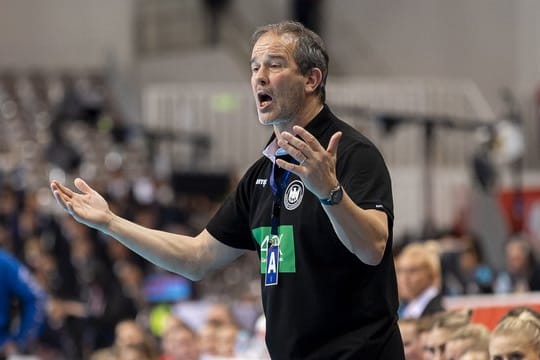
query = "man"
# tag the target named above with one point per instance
(419, 279)
(18, 286)
(320, 221)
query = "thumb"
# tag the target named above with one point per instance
(334, 142)
(82, 186)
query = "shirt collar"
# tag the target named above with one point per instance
(316, 127)
(415, 308)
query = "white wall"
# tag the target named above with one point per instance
(65, 33)
(475, 39)
(494, 42)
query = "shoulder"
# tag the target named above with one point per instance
(352, 139)
(253, 172)
(7, 261)
(434, 305)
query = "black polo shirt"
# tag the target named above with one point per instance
(327, 304)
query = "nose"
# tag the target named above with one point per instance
(260, 76)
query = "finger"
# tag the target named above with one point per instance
(309, 139)
(333, 143)
(55, 185)
(83, 186)
(298, 144)
(296, 153)
(61, 200)
(295, 169)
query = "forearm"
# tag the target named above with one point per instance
(363, 232)
(177, 253)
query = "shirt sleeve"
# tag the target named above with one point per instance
(230, 224)
(366, 179)
(25, 289)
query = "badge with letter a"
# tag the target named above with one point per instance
(272, 262)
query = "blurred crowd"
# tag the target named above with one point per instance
(428, 271)
(63, 125)
(451, 335)
(90, 296)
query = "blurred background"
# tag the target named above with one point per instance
(150, 102)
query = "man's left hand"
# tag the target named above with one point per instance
(316, 165)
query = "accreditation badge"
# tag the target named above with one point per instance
(272, 262)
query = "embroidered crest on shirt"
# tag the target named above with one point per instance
(293, 195)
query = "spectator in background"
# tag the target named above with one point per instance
(219, 314)
(465, 338)
(419, 279)
(136, 352)
(444, 327)
(19, 326)
(207, 340)
(179, 342)
(411, 340)
(465, 271)
(516, 337)
(522, 271)
(423, 328)
(127, 333)
(226, 340)
(475, 353)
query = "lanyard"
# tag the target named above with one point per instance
(278, 181)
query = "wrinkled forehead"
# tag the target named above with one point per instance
(273, 43)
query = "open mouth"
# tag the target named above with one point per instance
(264, 100)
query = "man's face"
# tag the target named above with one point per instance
(516, 258)
(413, 276)
(276, 82)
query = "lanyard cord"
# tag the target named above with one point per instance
(278, 187)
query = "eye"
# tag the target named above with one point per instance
(255, 68)
(516, 356)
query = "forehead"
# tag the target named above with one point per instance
(458, 345)
(271, 43)
(411, 259)
(439, 336)
(507, 343)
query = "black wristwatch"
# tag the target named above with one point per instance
(335, 196)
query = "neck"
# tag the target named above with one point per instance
(302, 119)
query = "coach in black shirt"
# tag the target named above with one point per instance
(317, 207)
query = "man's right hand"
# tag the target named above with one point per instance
(87, 207)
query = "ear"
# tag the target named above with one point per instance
(313, 80)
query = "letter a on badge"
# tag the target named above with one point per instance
(272, 265)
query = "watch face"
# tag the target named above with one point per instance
(337, 195)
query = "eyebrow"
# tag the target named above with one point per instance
(270, 57)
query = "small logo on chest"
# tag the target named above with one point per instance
(293, 195)
(261, 182)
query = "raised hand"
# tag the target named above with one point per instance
(316, 165)
(87, 207)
